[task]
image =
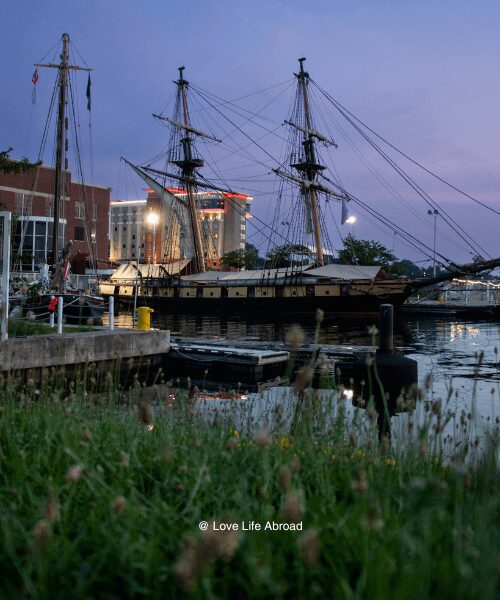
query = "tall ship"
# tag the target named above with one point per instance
(51, 208)
(301, 274)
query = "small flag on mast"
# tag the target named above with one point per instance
(88, 94)
(34, 80)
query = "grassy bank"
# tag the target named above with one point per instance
(101, 496)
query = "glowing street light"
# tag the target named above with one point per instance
(152, 218)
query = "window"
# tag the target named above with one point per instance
(37, 242)
(79, 210)
(79, 234)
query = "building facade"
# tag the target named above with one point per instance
(145, 230)
(84, 216)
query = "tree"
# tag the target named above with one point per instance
(8, 165)
(237, 259)
(365, 252)
(287, 255)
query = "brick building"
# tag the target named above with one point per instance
(84, 216)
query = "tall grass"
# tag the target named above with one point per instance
(101, 495)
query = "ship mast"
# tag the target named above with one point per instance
(62, 141)
(188, 165)
(310, 167)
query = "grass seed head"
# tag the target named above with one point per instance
(263, 438)
(119, 504)
(308, 544)
(74, 473)
(42, 532)
(293, 506)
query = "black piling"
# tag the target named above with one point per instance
(384, 379)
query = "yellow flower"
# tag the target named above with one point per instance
(390, 462)
(284, 442)
(236, 433)
(333, 457)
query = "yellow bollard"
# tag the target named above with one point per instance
(144, 318)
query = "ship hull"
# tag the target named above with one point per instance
(336, 300)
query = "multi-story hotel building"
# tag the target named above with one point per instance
(146, 231)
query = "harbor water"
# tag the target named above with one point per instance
(458, 360)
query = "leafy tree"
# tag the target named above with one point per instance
(406, 268)
(365, 252)
(282, 256)
(8, 165)
(237, 259)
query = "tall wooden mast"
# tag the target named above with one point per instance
(309, 168)
(188, 165)
(62, 142)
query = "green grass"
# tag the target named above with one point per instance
(101, 498)
(26, 327)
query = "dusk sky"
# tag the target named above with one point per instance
(423, 73)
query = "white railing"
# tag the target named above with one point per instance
(5, 220)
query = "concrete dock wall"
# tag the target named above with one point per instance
(77, 348)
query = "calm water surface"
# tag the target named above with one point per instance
(446, 349)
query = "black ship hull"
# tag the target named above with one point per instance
(360, 306)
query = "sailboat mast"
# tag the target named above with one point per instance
(61, 146)
(311, 167)
(188, 166)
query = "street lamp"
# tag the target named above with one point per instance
(152, 218)
(435, 213)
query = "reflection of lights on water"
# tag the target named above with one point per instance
(460, 329)
(347, 394)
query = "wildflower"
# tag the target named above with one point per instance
(308, 544)
(236, 433)
(51, 510)
(74, 474)
(263, 438)
(196, 556)
(360, 483)
(293, 506)
(295, 337)
(87, 435)
(119, 504)
(390, 462)
(333, 457)
(285, 478)
(284, 442)
(42, 532)
(145, 413)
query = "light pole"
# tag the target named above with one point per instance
(435, 213)
(153, 219)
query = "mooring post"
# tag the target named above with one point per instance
(111, 313)
(51, 315)
(386, 328)
(60, 306)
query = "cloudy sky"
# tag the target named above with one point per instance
(424, 73)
